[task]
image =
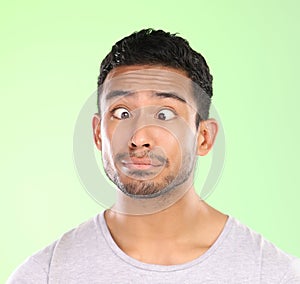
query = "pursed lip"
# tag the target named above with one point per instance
(140, 163)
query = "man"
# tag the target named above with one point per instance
(154, 94)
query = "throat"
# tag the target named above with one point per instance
(177, 235)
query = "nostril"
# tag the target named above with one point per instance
(133, 145)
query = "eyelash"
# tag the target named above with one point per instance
(117, 107)
(162, 108)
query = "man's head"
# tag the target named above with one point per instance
(151, 47)
(149, 99)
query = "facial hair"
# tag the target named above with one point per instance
(143, 188)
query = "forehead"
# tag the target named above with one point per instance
(159, 79)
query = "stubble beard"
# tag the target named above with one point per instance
(142, 188)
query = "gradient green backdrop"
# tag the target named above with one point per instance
(50, 54)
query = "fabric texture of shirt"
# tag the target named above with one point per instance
(88, 254)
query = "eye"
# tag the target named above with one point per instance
(165, 114)
(121, 113)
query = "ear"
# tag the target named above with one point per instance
(207, 133)
(97, 131)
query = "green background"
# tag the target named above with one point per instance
(50, 54)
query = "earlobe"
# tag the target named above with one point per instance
(96, 123)
(207, 133)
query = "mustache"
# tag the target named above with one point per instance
(142, 154)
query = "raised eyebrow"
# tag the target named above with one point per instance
(121, 93)
(170, 95)
(117, 93)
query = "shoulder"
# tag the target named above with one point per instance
(35, 269)
(274, 264)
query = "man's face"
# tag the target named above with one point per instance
(147, 129)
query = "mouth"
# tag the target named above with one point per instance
(140, 163)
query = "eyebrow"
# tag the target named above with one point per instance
(117, 93)
(170, 95)
(120, 93)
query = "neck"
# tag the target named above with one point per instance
(173, 222)
(165, 222)
(174, 235)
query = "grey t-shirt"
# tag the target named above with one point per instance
(88, 254)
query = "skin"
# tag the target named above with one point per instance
(188, 227)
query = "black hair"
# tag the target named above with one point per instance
(157, 47)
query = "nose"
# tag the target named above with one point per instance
(141, 138)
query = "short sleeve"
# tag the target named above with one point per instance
(28, 272)
(34, 269)
(293, 274)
